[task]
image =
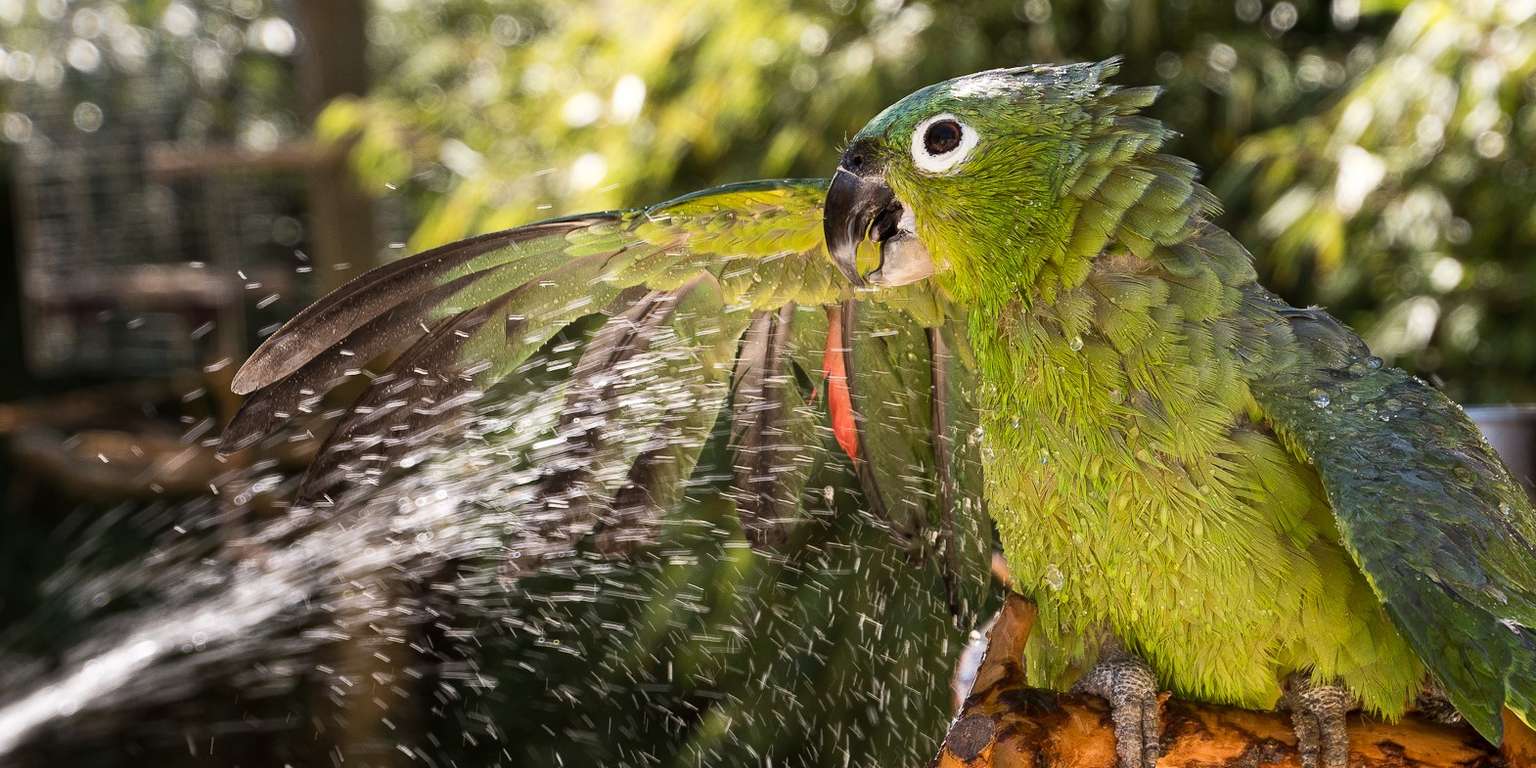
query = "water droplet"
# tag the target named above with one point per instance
(1053, 577)
(1076, 343)
(1319, 397)
(1373, 362)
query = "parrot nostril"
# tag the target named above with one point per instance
(856, 162)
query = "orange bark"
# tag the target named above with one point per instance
(1006, 724)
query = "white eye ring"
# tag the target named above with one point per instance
(944, 161)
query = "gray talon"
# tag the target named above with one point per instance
(1129, 686)
(1317, 715)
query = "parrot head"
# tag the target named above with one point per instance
(963, 179)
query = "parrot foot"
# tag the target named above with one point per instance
(1317, 715)
(1127, 683)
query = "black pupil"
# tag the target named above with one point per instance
(942, 137)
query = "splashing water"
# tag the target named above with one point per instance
(256, 593)
(228, 602)
(537, 625)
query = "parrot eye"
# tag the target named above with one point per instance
(941, 142)
(941, 137)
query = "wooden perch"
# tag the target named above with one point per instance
(1004, 723)
(168, 161)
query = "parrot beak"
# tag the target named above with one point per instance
(862, 207)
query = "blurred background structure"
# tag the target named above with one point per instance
(179, 176)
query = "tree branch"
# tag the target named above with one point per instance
(1006, 724)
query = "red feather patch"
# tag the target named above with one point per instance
(839, 399)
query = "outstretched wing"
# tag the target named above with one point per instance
(718, 313)
(1445, 536)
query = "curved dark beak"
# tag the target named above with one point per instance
(853, 206)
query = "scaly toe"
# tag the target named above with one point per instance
(1131, 690)
(1317, 715)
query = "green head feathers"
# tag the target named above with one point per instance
(983, 181)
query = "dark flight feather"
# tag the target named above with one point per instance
(334, 317)
(1446, 536)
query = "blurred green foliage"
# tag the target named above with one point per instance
(511, 109)
(1408, 205)
(204, 71)
(1375, 154)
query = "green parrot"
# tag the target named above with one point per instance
(1028, 316)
